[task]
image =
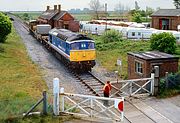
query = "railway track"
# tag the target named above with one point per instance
(94, 84)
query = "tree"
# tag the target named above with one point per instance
(25, 16)
(136, 6)
(149, 11)
(96, 7)
(164, 42)
(177, 3)
(119, 8)
(5, 27)
(137, 17)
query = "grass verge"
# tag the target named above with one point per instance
(21, 82)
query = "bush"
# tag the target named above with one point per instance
(111, 36)
(164, 42)
(173, 86)
(5, 27)
(25, 16)
(137, 17)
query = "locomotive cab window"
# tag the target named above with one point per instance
(90, 45)
(75, 46)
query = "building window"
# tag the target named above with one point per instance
(139, 34)
(138, 67)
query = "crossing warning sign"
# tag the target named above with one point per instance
(119, 104)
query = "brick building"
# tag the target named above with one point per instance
(166, 19)
(140, 65)
(59, 19)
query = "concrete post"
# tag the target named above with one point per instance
(156, 80)
(44, 103)
(152, 84)
(166, 79)
(56, 96)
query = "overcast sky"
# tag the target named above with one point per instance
(35, 5)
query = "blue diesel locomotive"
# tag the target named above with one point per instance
(76, 50)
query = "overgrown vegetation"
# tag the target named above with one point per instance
(111, 36)
(169, 86)
(5, 27)
(164, 42)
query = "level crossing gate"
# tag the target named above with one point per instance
(89, 107)
(134, 87)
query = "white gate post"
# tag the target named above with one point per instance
(152, 84)
(56, 96)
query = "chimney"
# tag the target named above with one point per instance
(48, 7)
(59, 8)
(55, 7)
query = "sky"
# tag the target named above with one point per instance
(40, 5)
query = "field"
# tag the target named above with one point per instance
(32, 15)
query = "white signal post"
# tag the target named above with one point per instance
(56, 96)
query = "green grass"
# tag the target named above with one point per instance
(82, 17)
(107, 54)
(21, 82)
(32, 15)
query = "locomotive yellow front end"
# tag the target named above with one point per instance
(82, 55)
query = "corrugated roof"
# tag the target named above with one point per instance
(167, 12)
(151, 55)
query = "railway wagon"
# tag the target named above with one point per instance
(76, 50)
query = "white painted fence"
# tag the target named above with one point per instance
(135, 86)
(87, 106)
(92, 106)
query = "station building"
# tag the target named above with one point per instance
(59, 19)
(140, 65)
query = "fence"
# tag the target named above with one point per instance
(87, 106)
(92, 106)
(13, 109)
(134, 86)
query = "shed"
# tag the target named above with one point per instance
(166, 19)
(59, 19)
(140, 65)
